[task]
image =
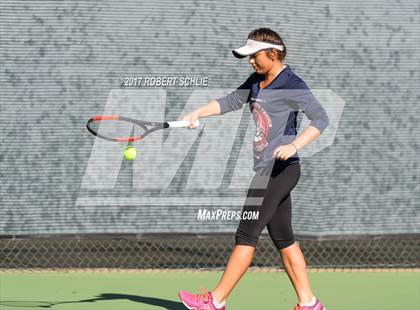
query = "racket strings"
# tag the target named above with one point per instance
(119, 130)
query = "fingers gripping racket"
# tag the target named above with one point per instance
(124, 129)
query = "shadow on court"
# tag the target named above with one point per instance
(164, 303)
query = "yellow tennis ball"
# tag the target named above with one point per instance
(130, 153)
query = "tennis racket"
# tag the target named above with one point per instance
(124, 129)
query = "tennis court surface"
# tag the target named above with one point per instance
(122, 290)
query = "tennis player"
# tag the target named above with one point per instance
(275, 95)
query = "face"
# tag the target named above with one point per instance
(260, 62)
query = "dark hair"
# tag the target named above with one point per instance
(270, 36)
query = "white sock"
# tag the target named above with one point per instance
(309, 304)
(216, 303)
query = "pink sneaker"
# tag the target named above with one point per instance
(198, 301)
(317, 306)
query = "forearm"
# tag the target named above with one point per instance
(212, 108)
(307, 136)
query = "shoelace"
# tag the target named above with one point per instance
(204, 296)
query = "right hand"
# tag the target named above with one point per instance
(191, 117)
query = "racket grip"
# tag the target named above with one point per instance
(178, 124)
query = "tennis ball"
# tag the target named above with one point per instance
(130, 153)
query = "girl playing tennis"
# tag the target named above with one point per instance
(275, 94)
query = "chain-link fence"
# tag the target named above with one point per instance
(198, 251)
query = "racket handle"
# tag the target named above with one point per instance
(178, 124)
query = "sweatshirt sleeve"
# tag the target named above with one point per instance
(236, 99)
(309, 105)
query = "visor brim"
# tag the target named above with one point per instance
(244, 51)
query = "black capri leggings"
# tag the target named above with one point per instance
(273, 187)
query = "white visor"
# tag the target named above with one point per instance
(252, 46)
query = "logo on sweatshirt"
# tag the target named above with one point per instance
(263, 123)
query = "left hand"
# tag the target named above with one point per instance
(284, 152)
